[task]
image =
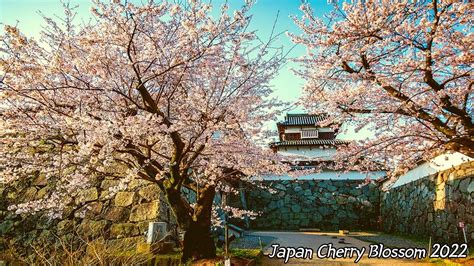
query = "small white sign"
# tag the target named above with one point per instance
(227, 262)
(156, 231)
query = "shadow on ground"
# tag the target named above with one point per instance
(252, 241)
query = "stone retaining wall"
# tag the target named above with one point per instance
(324, 204)
(123, 216)
(433, 206)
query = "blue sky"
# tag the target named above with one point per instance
(287, 85)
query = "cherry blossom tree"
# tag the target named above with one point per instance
(402, 69)
(162, 92)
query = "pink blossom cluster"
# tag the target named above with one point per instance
(158, 91)
(401, 69)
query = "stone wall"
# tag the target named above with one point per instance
(433, 206)
(324, 204)
(430, 206)
(124, 216)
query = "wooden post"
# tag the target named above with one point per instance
(461, 224)
(429, 247)
(226, 237)
(226, 227)
(464, 232)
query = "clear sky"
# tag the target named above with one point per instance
(287, 85)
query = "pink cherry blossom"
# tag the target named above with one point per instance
(402, 69)
(165, 93)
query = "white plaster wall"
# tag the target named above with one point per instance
(439, 163)
(293, 129)
(306, 152)
(325, 129)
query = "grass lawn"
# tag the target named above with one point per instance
(239, 257)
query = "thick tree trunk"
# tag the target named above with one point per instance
(198, 241)
(180, 207)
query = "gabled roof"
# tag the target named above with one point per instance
(303, 119)
(309, 142)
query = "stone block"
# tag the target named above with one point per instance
(86, 195)
(143, 227)
(30, 193)
(341, 200)
(40, 180)
(306, 185)
(42, 192)
(91, 210)
(295, 208)
(123, 199)
(92, 229)
(366, 203)
(64, 226)
(122, 230)
(109, 183)
(298, 189)
(316, 218)
(430, 217)
(324, 210)
(470, 187)
(304, 222)
(6, 226)
(135, 183)
(117, 214)
(150, 192)
(464, 185)
(145, 211)
(280, 187)
(460, 173)
(271, 206)
(44, 222)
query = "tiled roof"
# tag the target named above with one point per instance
(303, 119)
(304, 142)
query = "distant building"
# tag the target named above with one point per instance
(302, 137)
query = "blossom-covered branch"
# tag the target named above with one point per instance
(402, 69)
(160, 91)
